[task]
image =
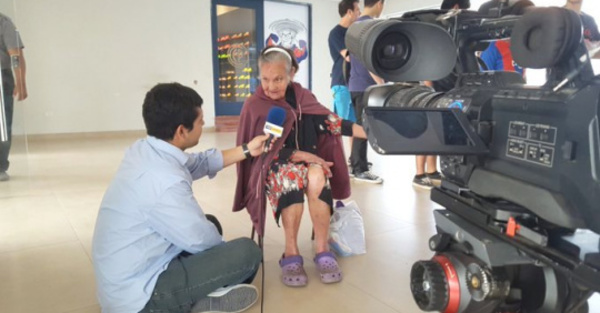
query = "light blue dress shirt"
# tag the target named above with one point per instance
(147, 217)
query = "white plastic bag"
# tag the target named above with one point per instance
(346, 230)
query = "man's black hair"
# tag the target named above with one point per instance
(370, 3)
(167, 106)
(346, 5)
(449, 4)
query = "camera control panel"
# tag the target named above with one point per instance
(534, 143)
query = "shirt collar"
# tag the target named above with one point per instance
(169, 149)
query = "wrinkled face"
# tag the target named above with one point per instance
(274, 79)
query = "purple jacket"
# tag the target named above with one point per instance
(252, 173)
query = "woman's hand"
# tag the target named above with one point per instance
(309, 158)
(257, 144)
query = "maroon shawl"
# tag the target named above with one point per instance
(252, 173)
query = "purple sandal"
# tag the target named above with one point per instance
(328, 267)
(293, 271)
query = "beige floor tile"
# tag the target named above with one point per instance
(55, 278)
(34, 221)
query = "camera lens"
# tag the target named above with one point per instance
(412, 97)
(392, 51)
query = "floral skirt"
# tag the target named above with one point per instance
(286, 185)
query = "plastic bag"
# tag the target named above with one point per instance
(346, 230)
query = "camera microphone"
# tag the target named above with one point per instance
(274, 125)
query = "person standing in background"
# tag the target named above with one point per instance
(360, 80)
(427, 174)
(342, 103)
(12, 62)
(590, 28)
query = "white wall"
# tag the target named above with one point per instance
(91, 62)
(393, 6)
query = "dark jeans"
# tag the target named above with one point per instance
(191, 277)
(8, 86)
(358, 156)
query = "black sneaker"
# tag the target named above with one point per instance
(368, 177)
(236, 298)
(422, 181)
(435, 178)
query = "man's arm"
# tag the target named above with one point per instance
(378, 80)
(337, 43)
(19, 70)
(345, 55)
(255, 148)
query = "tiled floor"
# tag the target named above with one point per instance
(48, 210)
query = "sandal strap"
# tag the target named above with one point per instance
(290, 260)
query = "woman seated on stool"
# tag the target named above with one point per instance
(307, 159)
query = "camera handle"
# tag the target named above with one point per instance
(583, 60)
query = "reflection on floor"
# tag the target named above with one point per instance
(48, 210)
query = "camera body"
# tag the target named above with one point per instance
(519, 232)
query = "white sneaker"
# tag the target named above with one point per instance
(4, 176)
(236, 298)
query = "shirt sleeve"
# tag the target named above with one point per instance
(9, 34)
(337, 43)
(209, 162)
(595, 36)
(333, 124)
(177, 216)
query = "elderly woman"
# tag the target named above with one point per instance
(307, 160)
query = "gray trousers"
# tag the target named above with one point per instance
(8, 85)
(191, 277)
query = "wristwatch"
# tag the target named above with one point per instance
(246, 151)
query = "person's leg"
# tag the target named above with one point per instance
(358, 157)
(291, 217)
(421, 180)
(431, 164)
(432, 173)
(421, 164)
(191, 277)
(342, 105)
(338, 104)
(8, 86)
(320, 212)
(292, 263)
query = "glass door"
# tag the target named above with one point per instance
(237, 41)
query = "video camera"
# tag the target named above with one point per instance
(521, 164)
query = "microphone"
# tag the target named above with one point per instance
(274, 125)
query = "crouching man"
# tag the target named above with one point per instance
(154, 250)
